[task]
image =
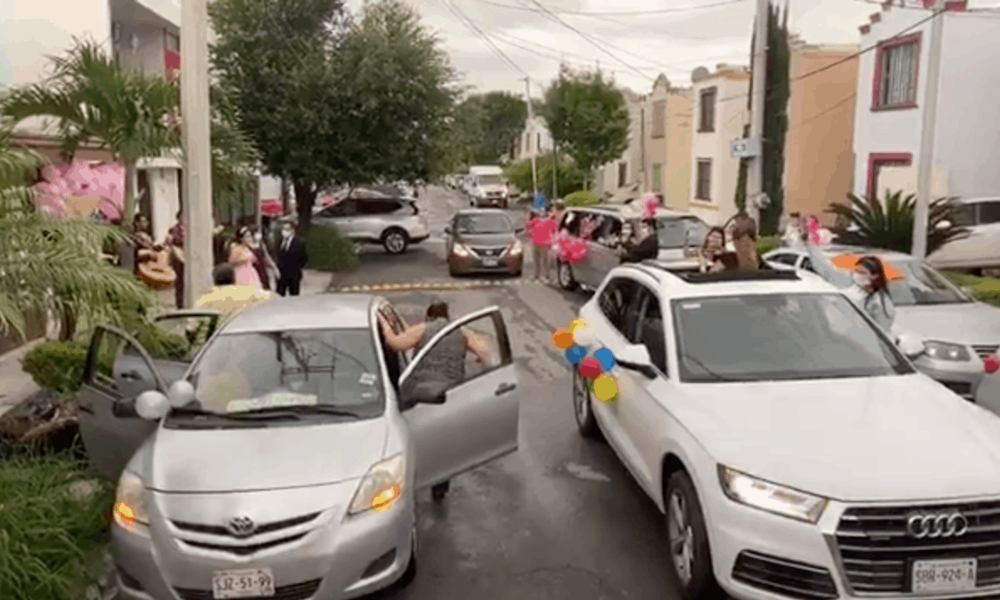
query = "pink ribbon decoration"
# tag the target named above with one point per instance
(649, 205)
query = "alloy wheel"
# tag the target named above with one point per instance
(395, 242)
(681, 537)
(581, 400)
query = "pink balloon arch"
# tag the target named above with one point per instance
(63, 182)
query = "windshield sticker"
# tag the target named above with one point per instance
(691, 305)
(275, 400)
(367, 379)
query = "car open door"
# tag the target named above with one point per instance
(477, 420)
(189, 330)
(118, 369)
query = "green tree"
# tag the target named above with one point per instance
(587, 117)
(569, 177)
(778, 91)
(504, 116)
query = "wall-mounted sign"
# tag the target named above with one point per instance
(744, 148)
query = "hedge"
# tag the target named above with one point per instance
(983, 289)
(581, 198)
(56, 365)
(330, 250)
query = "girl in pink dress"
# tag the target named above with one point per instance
(243, 260)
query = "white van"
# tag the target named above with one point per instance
(487, 187)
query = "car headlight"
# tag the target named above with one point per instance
(515, 247)
(770, 497)
(460, 250)
(946, 351)
(130, 502)
(382, 486)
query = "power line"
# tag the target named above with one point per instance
(824, 112)
(465, 20)
(627, 13)
(560, 58)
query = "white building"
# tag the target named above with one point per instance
(535, 140)
(719, 103)
(890, 96)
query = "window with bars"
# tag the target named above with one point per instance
(706, 109)
(896, 69)
(703, 187)
(171, 42)
(657, 177)
(660, 119)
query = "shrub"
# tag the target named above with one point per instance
(52, 538)
(56, 365)
(983, 289)
(581, 198)
(888, 223)
(766, 243)
(330, 250)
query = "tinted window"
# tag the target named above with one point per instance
(965, 215)
(807, 264)
(778, 337)
(784, 258)
(377, 207)
(483, 223)
(615, 299)
(609, 231)
(676, 233)
(989, 212)
(489, 180)
(337, 367)
(919, 284)
(571, 222)
(344, 208)
(649, 328)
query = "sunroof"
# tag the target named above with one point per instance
(724, 276)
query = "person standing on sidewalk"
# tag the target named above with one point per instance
(244, 261)
(292, 259)
(541, 229)
(175, 240)
(262, 259)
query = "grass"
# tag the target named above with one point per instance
(51, 540)
(984, 289)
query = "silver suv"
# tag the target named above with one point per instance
(395, 222)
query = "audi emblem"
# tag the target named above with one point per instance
(934, 526)
(242, 526)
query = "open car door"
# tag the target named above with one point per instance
(118, 369)
(471, 419)
(181, 335)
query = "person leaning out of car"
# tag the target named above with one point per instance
(867, 286)
(744, 236)
(639, 243)
(713, 246)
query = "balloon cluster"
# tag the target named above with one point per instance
(817, 234)
(568, 247)
(81, 178)
(574, 341)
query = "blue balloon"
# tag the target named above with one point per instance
(575, 354)
(539, 200)
(605, 357)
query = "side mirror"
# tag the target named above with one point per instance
(910, 344)
(181, 393)
(943, 225)
(151, 405)
(636, 358)
(423, 392)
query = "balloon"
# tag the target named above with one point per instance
(562, 339)
(577, 323)
(605, 357)
(575, 354)
(605, 388)
(583, 336)
(824, 237)
(590, 368)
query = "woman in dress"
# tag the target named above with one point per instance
(263, 261)
(244, 260)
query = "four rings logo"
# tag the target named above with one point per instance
(941, 525)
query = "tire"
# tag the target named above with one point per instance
(688, 540)
(395, 240)
(564, 275)
(583, 408)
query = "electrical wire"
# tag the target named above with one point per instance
(627, 13)
(578, 60)
(471, 26)
(838, 104)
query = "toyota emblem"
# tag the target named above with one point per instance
(934, 526)
(242, 526)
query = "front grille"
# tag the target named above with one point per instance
(298, 591)
(962, 388)
(984, 351)
(261, 529)
(244, 550)
(489, 252)
(785, 577)
(876, 549)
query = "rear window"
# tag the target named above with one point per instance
(680, 232)
(378, 206)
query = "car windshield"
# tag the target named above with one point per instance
(767, 337)
(324, 368)
(489, 180)
(918, 284)
(675, 233)
(485, 223)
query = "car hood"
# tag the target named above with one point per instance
(265, 458)
(867, 439)
(965, 323)
(486, 240)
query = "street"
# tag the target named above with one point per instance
(561, 518)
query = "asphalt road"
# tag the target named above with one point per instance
(559, 519)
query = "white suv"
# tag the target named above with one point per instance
(793, 448)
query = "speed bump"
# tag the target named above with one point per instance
(432, 285)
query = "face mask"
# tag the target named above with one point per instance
(257, 237)
(861, 280)
(286, 233)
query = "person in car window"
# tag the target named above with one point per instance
(867, 286)
(711, 248)
(446, 363)
(744, 236)
(640, 243)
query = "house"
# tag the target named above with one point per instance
(889, 105)
(535, 140)
(720, 113)
(819, 153)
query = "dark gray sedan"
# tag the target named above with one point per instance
(483, 241)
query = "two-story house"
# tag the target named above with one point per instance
(891, 89)
(720, 113)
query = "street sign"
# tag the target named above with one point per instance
(744, 148)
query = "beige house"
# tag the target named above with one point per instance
(720, 113)
(819, 157)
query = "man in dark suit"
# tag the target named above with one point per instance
(291, 258)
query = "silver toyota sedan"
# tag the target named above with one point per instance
(279, 456)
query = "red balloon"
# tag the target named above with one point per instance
(991, 364)
(590, 368)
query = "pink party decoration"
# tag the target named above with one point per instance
(81, 178)
(816, 233)
(569, 248)
(649, 205)
(271, 208)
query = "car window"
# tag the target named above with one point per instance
(807, 264)
(989, 212)
(784, 258)
(336, 367)
(965, 214)
(571, 222)
(591, 225)
(614, 302)
(483, 223)
(609, 232)
(919, 284)
(676, 233)
(649, 328)
(344, 208)
(118, 367)
(808, 336)
(489, 180)
(377, 206)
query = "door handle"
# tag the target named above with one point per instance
(505, 388)
(131, 376)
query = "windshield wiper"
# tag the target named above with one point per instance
(296, 411)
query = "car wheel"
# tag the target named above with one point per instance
(583, 409)
(564, 273)
(395, 241)
(691, 560)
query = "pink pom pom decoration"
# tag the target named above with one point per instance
(649, 205)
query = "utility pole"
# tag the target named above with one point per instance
(534, 152)
(196, 123)
(555, 170)
(925, 174)
(755, 168)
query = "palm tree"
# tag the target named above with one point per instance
(94, 97)
(53, 266)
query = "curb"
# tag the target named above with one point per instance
(432, 285)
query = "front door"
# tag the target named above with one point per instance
(118, 369)
(477, 422)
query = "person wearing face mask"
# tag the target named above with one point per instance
(262, 259)
(291, 260)
(867, 286)
(639, 242)
(243, 260)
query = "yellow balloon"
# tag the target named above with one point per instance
(576, 323)
(605, 388)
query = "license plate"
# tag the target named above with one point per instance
(244, 583)
(490, 262)
(941, 576)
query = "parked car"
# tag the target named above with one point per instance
(958, 332)
(792, 447)
(482, 240)
(284, 461)
(979, 250)
(394, 222)
(680, 235)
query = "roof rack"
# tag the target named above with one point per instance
(727, 276)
